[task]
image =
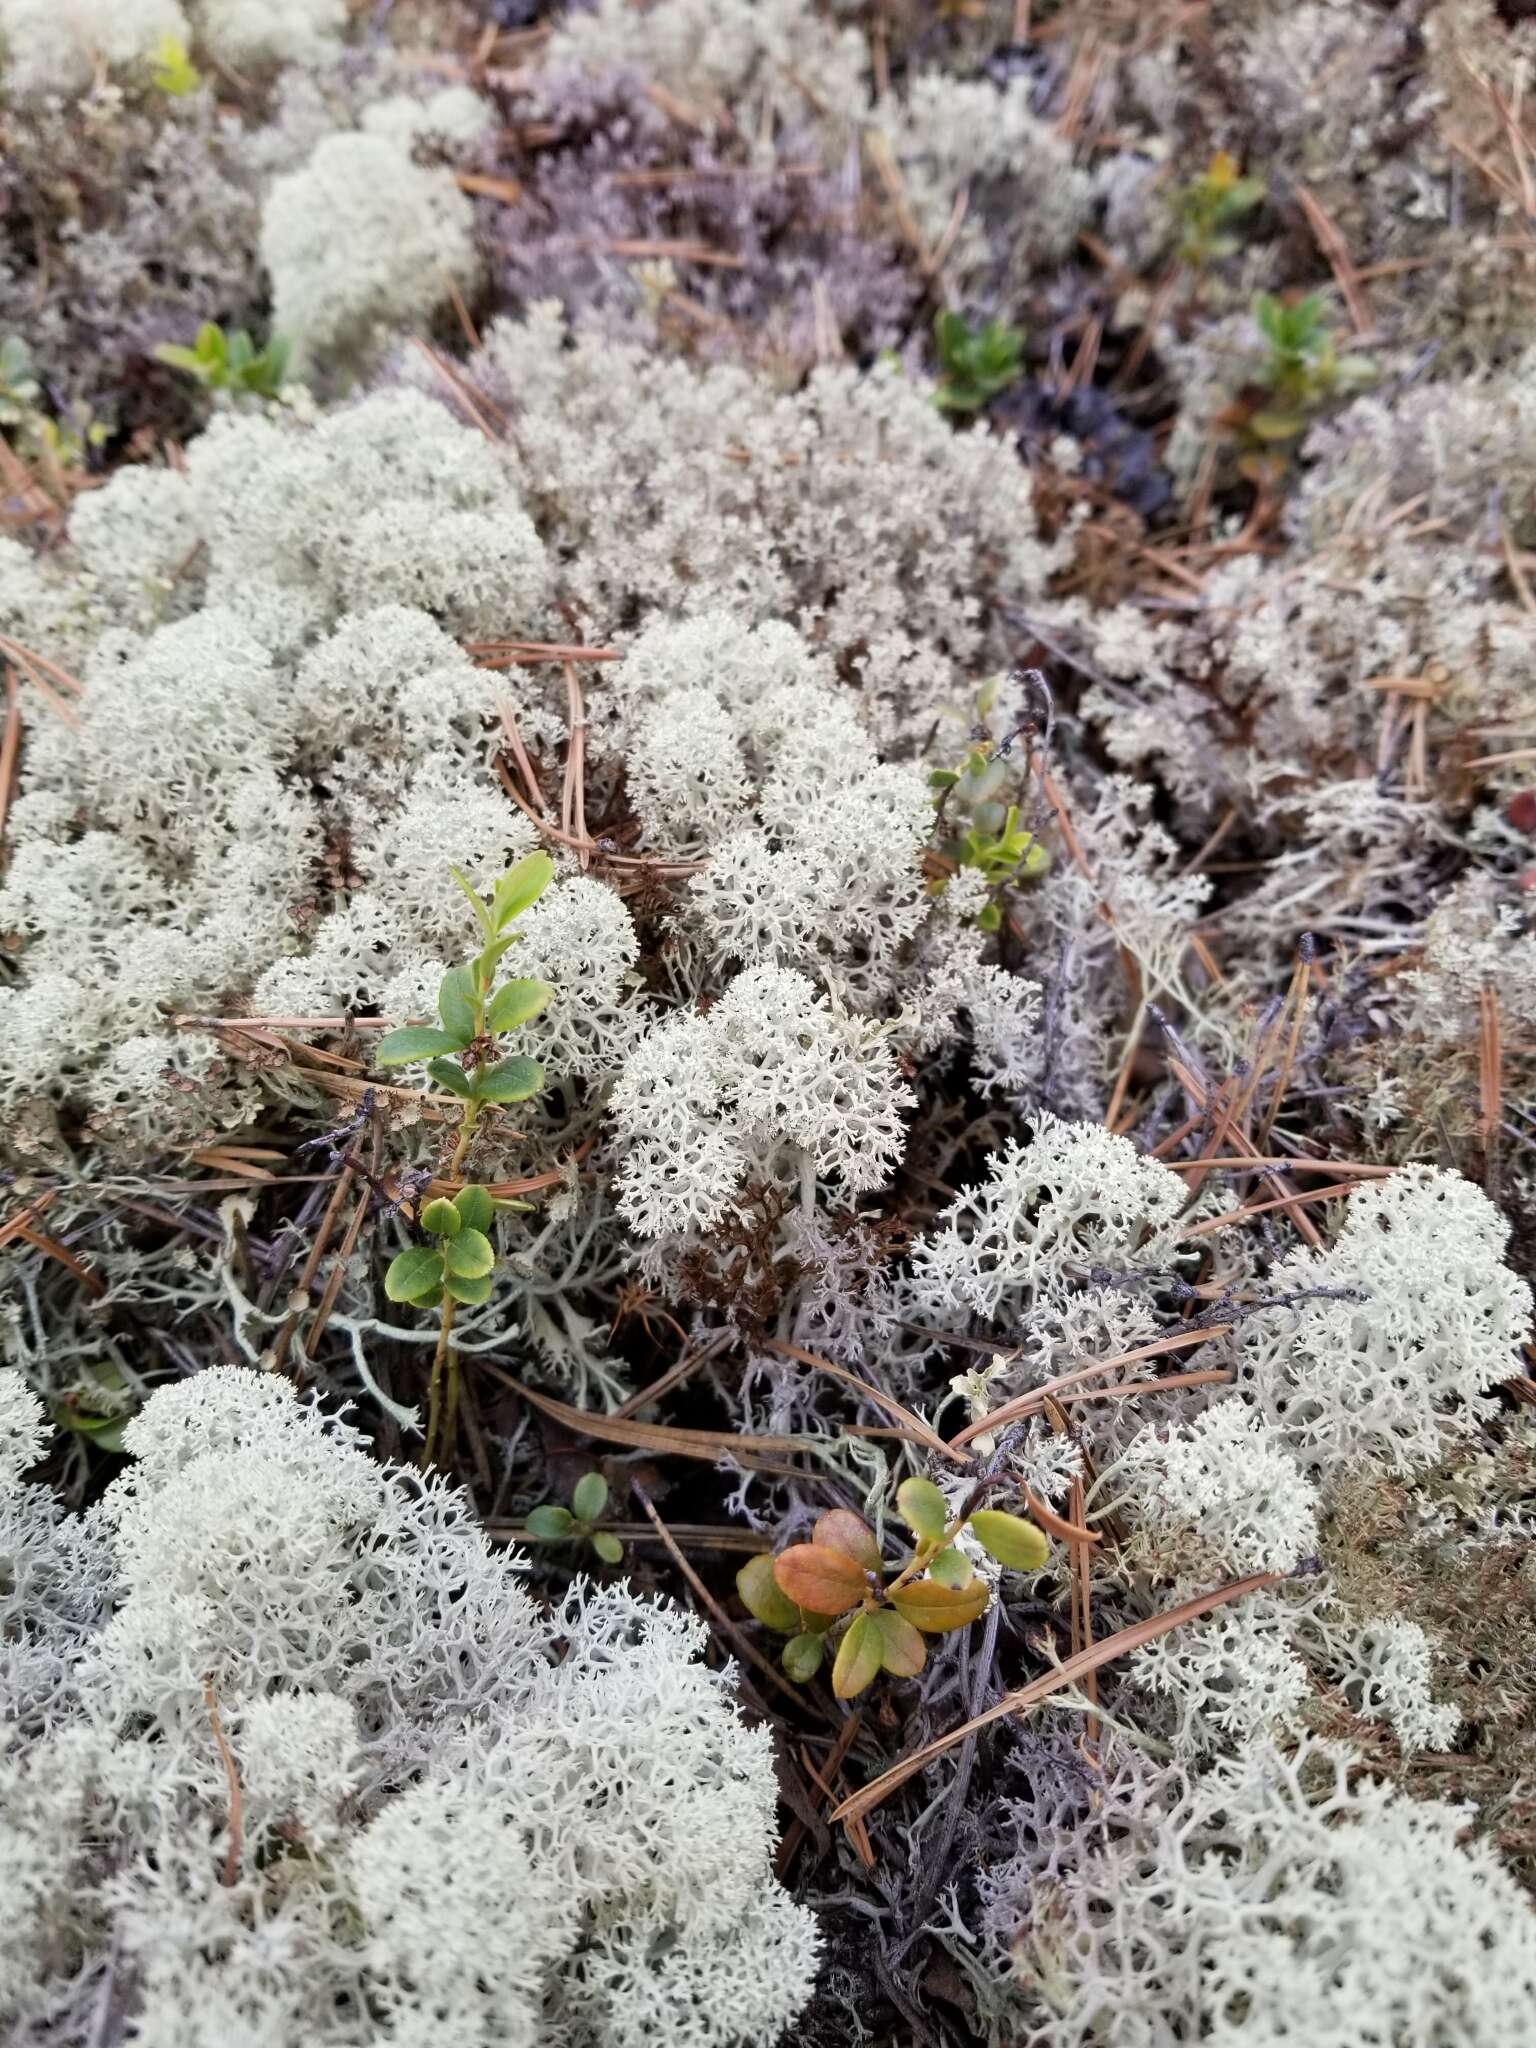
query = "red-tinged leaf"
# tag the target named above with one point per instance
(859, 1657)
(819, 1580)
(902, 1650)
(935, 1609)
(841, 1529)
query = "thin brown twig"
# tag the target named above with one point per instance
(911, 1426)
(10, 747)
(717, 1614)
(231, 1872)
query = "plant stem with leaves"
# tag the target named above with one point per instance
(461, 1056)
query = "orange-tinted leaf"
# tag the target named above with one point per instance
(902, 1650)
(841, 1529)
(820, 1580)
(934, 1608)
(859, 1657)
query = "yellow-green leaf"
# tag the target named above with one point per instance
(802, 1657)
(935, 1609)
(475, 1208)
(951, 1568)
(1011, 1539)
(470, 1255)
(922, 1507)
(859, 1656)
(902, 1650)
(764, 1598)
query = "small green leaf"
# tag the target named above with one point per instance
(478, 906)
(943, 778)
(521, 885)
(859, 1656)
(764, 1598)
(470, 1255)
(921, 1506)
(607, 1546)
(414, 1273)
(549, 1524)
(172, 69)
(450, 1075)
(474, 1293)
(456, 1004)
(590, 1497)
(484, 962)
(802, 1658)
(1011, 1539)
(952, 1568)
(475, 1207)
(415, 1042)
(442, 1218)
(515, 1002)
(1275, 426)
(511, 1080)
(105, 1431)
(902, 1650)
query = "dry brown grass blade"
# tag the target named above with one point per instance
(1121, 1644)
(51, 1248)
(1228, 1217)
(38, 670)
(232, 1859)
(10, 748)
(478, 183)
(1364, 1169)
(487, 417)
(1490, 1066)
(754, 1452)
(1333, 246)
(1057, 1525)
(912, 1426)
(1031, 1403)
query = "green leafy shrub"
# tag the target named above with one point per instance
(230, 362)
(460, 1052)
(977, 364)
(1210, 206)
(805, 1591)
(551, 1523)
(983, 830)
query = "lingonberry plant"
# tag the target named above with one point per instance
(978, 829)
(461, 1056)
(551, 1523)
(805, 1591)
(455, 1265)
